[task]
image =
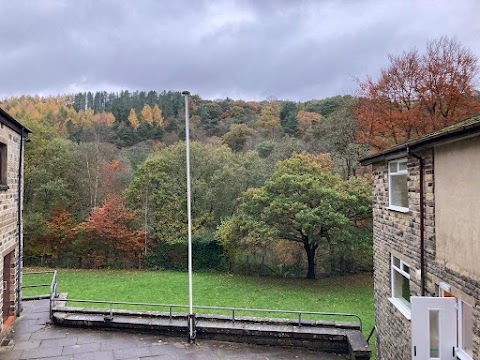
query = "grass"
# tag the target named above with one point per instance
(345, 294)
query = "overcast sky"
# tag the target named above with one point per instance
(286, 49)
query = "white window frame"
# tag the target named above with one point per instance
(395, 300)
(445, 289)
(398, 172)
(461, 354)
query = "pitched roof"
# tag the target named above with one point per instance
(461, 130)
(9, 121)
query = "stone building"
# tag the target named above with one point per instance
(427, 245)
(12, 134)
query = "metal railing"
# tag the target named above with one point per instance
(52, 285)
(233, 311)
(53, 292)
(373, 331)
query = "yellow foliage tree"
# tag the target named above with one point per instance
(269, 120)
(147, 114)
(132, 118)
(104, 119)
(157, 115)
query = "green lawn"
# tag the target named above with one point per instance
(346, 294)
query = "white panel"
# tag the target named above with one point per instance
(434, 332)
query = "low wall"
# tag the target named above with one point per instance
(337, 337)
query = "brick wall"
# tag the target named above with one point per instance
(9, 215)
(399, 234)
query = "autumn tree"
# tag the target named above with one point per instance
(303, 202)
(157, 115)
(59, 230)
(132, 119)
(147, 114)
(418, 93)
(269, 120)
(307, 120)
(109, 235)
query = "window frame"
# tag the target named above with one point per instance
(395, 299)
(391, 206)
(461, 354)
(446, 291)
(3, 166)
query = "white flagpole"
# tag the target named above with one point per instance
(191, 316)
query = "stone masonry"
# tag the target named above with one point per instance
(398, 234)
(9, 215)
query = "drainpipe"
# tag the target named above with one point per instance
(19, 226)
(422, 226)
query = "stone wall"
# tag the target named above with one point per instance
(9, 216)
(398, 234)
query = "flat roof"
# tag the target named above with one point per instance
(461, 130)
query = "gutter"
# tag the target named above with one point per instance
(19, 225)
(462, 130)
(422, 226)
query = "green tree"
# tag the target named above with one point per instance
(337, 133)
(219, 176)
(302, 202)
(288, 117)
(237, 136)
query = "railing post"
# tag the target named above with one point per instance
(170, 313)
(300, 319)
(233, 316)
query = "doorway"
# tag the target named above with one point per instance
(6, 286)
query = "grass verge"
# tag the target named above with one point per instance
(344, 294)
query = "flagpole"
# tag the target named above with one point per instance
(191, 315)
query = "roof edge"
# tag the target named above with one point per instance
(448, 134)
(13, 124)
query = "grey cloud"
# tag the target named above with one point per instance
(251, 49)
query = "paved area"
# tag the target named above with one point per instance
(35, 338)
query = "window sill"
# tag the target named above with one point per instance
(398, 209)
(401, 307)
(462, 355)
(4, 187)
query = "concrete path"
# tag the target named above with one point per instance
(35, 338)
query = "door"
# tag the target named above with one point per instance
(434, 334)
(6, 287)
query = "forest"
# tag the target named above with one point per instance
(276, 186)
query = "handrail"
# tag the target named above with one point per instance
(53, 287)
(44, 296)
(53, 292)
(374, 329)
(39, 272)
(232, 309)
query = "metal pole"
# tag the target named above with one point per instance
(191, 315)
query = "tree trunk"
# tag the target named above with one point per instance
(310, 249)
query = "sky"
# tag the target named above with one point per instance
(252, 50)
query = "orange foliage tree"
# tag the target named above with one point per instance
(109, 236)
(61, 228)
(418, 93)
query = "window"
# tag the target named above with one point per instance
(465, 331)
(400, 286)
(397, 185)
(3, 167)
(464, 324)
